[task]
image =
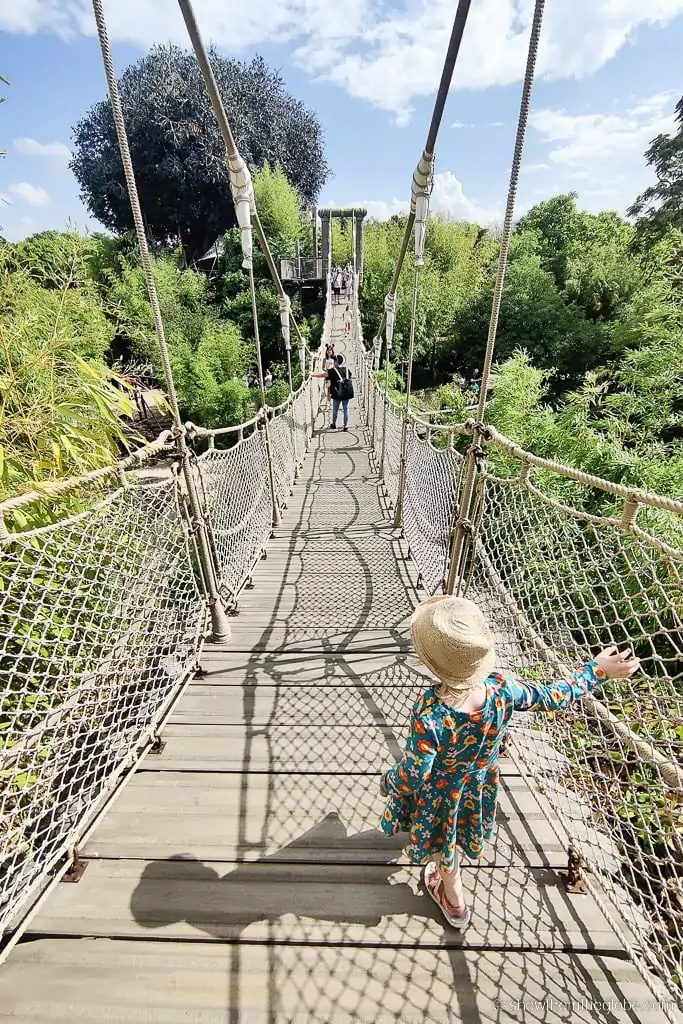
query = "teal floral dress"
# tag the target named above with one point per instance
(444, 791)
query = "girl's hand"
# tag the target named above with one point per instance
(617, 664)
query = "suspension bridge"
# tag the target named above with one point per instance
(205, 671)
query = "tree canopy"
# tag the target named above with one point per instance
(661, 206)
(177, 150)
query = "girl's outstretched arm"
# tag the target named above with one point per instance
(412, 771)
(609, 664)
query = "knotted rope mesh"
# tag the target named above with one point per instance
(561, 569)
(101, 622)
(234, 485)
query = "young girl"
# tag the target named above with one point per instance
(328, 363)
(347, 321)
(444, 792)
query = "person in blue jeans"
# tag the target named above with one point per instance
(334, 375)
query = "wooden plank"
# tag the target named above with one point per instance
(513, 907)
(314, 748)
(314, 639)
(101, 980)
(354, 703)
(227, 667)
(292, 817)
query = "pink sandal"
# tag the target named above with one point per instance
(457, 917)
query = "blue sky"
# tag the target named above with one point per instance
(607, 84)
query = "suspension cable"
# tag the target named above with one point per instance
(463, 533)
(262, 386)
(232, 150)
(220, 627)
(458, 29)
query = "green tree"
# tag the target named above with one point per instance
(177, 150)
(51, 281)
(206, 350)
(661, 205)
(56, 259)
(60, 413)
(535, 317)
(557, 225)
(279, 208)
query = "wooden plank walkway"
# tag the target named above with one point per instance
(241, 875)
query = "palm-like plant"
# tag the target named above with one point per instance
(59, 413)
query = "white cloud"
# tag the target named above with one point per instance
(496, 124)
(34, 195)
(53, 150)
(604, 150)
(448, 198)
(386, 54)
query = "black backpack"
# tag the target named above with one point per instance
(343, 389)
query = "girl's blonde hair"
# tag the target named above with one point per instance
(449, 691)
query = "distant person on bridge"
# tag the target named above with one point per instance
(444, 792)
(328, 363)
(347, 321)
(336, 284)
(341, 390)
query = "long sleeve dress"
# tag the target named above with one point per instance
(444, 791)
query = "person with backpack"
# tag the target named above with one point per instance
(341, 387)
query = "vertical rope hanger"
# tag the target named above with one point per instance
(419, 192)
(247, 214)
(234, 159)
(219, 621)
(422, 171)
(463, 532)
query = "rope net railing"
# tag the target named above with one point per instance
(103, 609)
(100, 619)
(563, 564)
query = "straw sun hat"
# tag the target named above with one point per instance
(452, 638)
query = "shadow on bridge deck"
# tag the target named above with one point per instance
(241, 875)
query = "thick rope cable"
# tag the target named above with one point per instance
(450, 59)
(230, 144)
(262, 388)
(221, 629)
(462, 529)
(510, 204)
(398, 513)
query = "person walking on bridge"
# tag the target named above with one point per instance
(444, 792)
(336, 285)
(341, 389)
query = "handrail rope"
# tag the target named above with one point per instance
(38, 531)
(54, 489)
(164, 443)
(234, 156)
(461, 539)
(671, 772)
(493, 438)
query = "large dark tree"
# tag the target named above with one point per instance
(177, 151)
(661, 206)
